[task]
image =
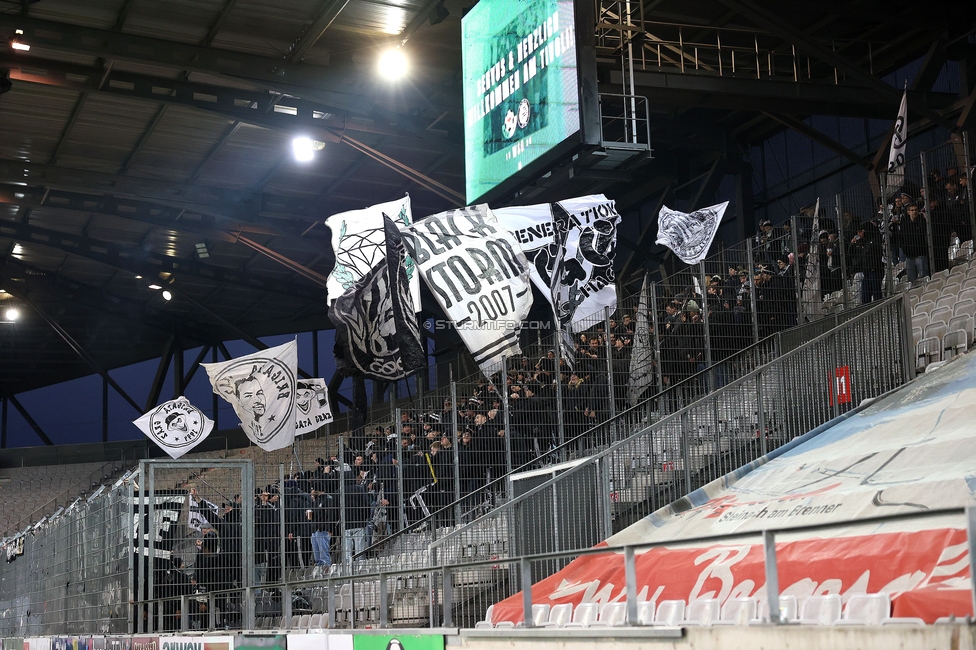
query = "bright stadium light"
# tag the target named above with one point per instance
(12, 314)
(304, 148)
(167, 296)
(392, 64)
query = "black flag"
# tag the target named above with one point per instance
(376, 333)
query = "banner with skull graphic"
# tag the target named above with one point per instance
(587, 228)
(359, 242)
(689, 235)
(261, 388)
(176, 426)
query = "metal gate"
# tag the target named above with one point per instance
(193, 532)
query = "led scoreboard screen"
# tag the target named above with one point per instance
(521, 88)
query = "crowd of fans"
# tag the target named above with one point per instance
(459, 449)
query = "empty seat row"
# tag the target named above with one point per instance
(861, 609)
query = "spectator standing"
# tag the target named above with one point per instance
(910, 235)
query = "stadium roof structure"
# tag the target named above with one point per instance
(148, 142)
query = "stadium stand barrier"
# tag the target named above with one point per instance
(731, 373)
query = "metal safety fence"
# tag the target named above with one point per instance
(74, 573)
(578, 504)
(563, 507)
(677, 380)
(207, 544)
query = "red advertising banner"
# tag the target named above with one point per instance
(899, 564)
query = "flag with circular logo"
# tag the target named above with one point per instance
(261, 387)
(177, 426)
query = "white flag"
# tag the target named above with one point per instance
(359, 242)
(642, 356)
(176, 426)
(262, 389)
(531, 226)
(899, 138)
(689, 235)
(810, 288)
(312, 408)
(480, 277)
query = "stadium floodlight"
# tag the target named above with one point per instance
(167, 296)
(21, 47)
(304, 148)
(392, 64)
(12, 315)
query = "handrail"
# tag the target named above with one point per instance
(668, 419)
(696, 378)
(628, 551)
(565, 446)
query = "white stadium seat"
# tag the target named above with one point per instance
(821, 610)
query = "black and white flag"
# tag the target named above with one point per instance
(480, 277)
(579, 233)
(532, 228)
(810, 287)
(899, 140)
(377, 335)
(312, 405)
(585, 231)
(642, 356)
(261, 388)
(176, 426)
(359, 242)
(689, 235)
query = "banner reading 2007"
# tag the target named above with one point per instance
(478, 274)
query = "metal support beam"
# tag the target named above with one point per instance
(931, 67)
(74, 345)
(196, 365)
(157, 386)
(248, 338)
(335, 103)
(709, 183)
(775, 25)
(30, 421)
(177, 369)
(80, 104)
(150, 128)
(329, 12)
(820, 138)
(39, 282)
(235, 204)
(104, 410)
(645, 230)
(967, 118)
(228, 134)
(155, 89)
(150, 264)
(215, 26)
(64, 37)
